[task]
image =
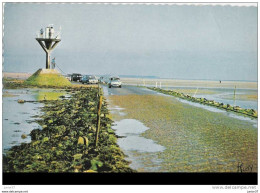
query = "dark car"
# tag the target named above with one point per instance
(101, 79)
(76, 77)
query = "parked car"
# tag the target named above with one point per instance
(106, 79)
(114, 82)
(89, 79)
(76, 77)
(101, 79)
(68, 76)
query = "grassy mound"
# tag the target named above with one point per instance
(47, 78)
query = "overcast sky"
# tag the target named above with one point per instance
(177, 41)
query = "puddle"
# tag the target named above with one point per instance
(106, 91)
(141, 152)
(117, 110)
(19, 118)
(140, 144)
(142, 162)
(48, 95)
(131, 129)
(132, 142)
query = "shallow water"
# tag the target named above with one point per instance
(105, 90)
(217, 97)
(225, 95)
(130, 130)
(19, 118)
(118, 110)
(216, 110)
(196, 140)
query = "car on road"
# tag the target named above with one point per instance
(76, 77)
(101, 80)
(114, 82)
(89, 79)
(68, 77)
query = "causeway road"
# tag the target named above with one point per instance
(164, 134)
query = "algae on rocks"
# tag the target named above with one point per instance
(67, 141)
(228, 107)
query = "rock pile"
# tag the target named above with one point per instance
(228, 107)
(66, 142)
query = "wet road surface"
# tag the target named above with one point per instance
(186, 137)
(127, 90)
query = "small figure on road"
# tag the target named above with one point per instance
(53, 63)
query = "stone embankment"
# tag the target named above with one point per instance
(228, 107)
(66, 142)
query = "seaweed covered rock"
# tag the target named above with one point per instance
(66, 142)
(228, 107)
(21, 101)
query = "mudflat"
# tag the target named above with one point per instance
(189, 83)
(164, 82)
(16, 75)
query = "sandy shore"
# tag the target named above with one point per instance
(164, 82)
(189, 83)
(16, 75)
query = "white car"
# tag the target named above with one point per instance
(114, 82)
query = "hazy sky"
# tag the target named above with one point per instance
(169, 41)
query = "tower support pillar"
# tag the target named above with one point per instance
(48, 45)
(48, 60)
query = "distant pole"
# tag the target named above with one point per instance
(235, 96)
(196, 92)
(156, 84)
(160, 84)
